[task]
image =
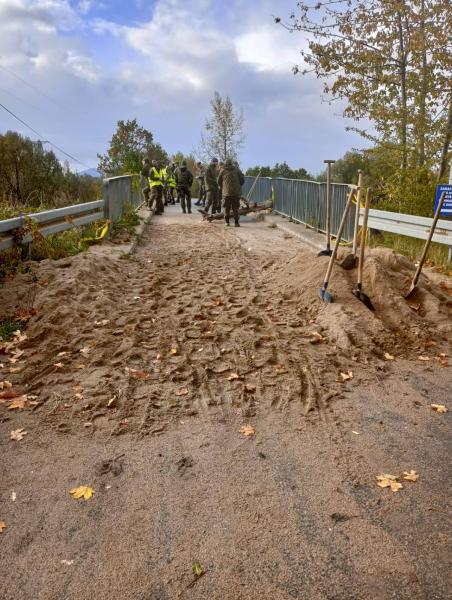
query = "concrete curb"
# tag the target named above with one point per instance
(145, 216)
(312, 238)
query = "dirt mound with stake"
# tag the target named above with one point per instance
(404, 326)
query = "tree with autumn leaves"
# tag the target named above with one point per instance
(391, 63)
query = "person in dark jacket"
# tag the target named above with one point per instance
(202, 184)
(184, 181)
(210, 178)
(231, 180)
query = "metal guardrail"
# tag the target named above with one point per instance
(118, 194)
(305, 201)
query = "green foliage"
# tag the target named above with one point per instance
(128, 146)
(32, 177)
(7, 328)
(411, 247)
(280, 170)
(391, 63)
(128, 221)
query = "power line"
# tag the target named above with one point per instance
(42, 137)
(33, 87)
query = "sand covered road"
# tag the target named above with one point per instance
(139, 374)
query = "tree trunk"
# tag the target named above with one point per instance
(422, 125)
(403, 93)
(446, 144)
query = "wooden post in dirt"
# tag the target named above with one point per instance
(358, 206)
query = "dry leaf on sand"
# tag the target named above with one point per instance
(83, 491)
(345, 376)
(389, 356)
(410, 475)
(233, 376)
(280, 370)
(439, 408)
(5, 385)
(111, 402)
(316, 338)
(2, 526)
(387, 480)
(424, 358)
(247, 430)
(197, 569)
(182, 392)
(18, 434)
(250, 388)
(173, 351)
(18, 403)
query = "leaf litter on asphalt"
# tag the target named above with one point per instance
(83, 491)
(387, 480)
(439, 408)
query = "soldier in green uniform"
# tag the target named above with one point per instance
(231, 180)
(184, 181)
(156, 181)
(210, 177)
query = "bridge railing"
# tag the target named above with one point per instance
(119, 194)
(305, 202)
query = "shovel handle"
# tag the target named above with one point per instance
(338, 238)
(358, 208)
(363, 237)
(429, 239)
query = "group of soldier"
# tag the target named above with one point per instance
(220, 186)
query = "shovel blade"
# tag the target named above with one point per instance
(411, 292)
(327, 252)
(364, 298)
(349, 262)
(325, 295)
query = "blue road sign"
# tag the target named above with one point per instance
(446, 210)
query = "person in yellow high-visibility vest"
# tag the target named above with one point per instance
(171, 183)
(156, 180)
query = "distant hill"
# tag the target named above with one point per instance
(92, 173)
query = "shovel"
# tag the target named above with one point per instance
(358, 292)
(327, 251)
(322, 292)
(351, 260)
(413, 287)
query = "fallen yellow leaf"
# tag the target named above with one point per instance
(111, 402)
(439, 408)
(197, 569)
(410, 475)
(250, 388)
(388, 356)
(16, 370)
(18, 434)
(62, 354)
(2, 526)
(173, 351)
(80, 366)
(387, 480)
(18, 403)
(58, 365)
(5, 384)
(83, 491)
(316, 338)
(424, 358)
(247, 430)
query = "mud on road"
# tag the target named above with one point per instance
(142, 371)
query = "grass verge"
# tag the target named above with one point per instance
(412, 248)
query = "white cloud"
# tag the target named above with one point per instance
(163, 72)
(268, 48)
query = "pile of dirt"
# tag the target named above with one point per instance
(397, 324)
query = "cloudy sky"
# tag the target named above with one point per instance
(72, 68)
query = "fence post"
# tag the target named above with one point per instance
(358, 207)
(106, 198)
